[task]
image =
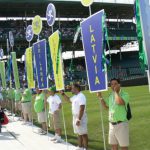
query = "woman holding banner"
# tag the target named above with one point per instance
(40, 110)
(26, 105)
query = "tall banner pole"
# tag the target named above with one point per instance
(11, 41)
(29, 64)
(93, 41)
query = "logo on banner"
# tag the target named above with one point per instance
(40, 56)
(92, 34)
(29, 33)
(37, 25)
(51, 14)
(11, 38)
(86, 3)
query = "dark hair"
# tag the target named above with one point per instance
(77, 86)
(115, 79)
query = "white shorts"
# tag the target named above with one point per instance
(41, 117)
(26, 107)
(119, 134)
(82, 129)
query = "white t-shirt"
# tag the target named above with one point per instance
(54, 102)
(77, 101)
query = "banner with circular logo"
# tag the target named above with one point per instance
(29, 33)
(51, 14)
(11, 39)
(37, 25)
(87, 3)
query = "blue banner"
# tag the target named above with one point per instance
(39, 50)
(92, 39)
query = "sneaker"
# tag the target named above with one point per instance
(54, 138)
(43, 132)
(58, 139)
(79, 148)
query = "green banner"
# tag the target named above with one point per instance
(15, 70)
(142, 54)
(2, 73)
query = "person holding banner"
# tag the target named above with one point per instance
(79, 115)
(117, 104)
(39, 107)
(18, 97)
(55, 105)
(26, 105)
(11, 99)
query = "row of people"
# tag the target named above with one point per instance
(117, 103)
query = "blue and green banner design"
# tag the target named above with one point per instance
(15, 70)
(40, 56)
(93, 40)
(2, 74)
(139, 13)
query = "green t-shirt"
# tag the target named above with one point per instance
(11, 94)
(117, 112)
(39, 103)
(26, 96)
(18, 95)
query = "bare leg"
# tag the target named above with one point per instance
(114, 147)
(80, 141)
(124, 148)
(44, 127)
(25, 116)
(58, 131)
(85, 140)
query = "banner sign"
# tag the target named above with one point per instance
(15, 70)
(39, 50)
(92, 39)
(2, 74)
(29, 33)
(55, 49)
(145, 20)
(51, 14)
(29, 68)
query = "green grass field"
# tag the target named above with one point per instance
(139, 125)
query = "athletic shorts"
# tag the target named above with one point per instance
(41, 117)
(26, 107)
(119, 134)
(82, 129)
(56, 117)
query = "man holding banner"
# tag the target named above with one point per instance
(79, 115)
(117, 103)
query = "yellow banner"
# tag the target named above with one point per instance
(55, 50)
(29, 68)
